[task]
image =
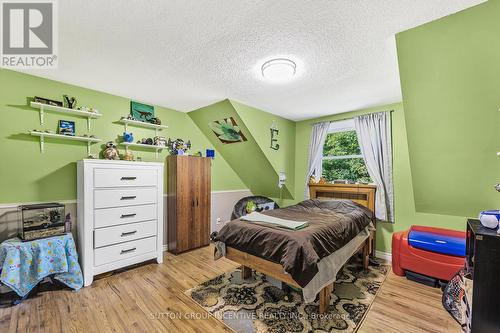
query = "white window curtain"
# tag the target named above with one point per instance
(374, 137)
(315, 160)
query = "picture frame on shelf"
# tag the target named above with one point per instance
(66, 127)
(142, 112)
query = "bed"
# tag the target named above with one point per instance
(310, 258)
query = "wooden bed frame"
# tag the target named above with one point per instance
(363, 194)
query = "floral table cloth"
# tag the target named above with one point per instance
(24, 264)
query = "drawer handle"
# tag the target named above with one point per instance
(129, 233)
(128, 178)
(132, 197)
(128, 250)
(127, 215)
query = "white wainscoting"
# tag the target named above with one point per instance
(222, 206)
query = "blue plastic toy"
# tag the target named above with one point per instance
(449, 245)
(210, 153)
(128, 137)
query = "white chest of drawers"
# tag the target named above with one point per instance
(120, 214)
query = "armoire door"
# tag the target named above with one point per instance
(200, 185)
(184, 204)
(189, 192)
(201, 193)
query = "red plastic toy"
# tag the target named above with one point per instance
(436, 265)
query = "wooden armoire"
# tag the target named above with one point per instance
(188, 210)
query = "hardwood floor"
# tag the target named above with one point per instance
(151, 298)
(405, 306)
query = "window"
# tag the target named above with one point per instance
(342, 159)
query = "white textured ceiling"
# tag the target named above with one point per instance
(186, 54)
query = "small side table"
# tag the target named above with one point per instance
(24, 264)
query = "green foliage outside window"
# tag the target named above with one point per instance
(351, 168)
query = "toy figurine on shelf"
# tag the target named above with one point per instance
(322, 180)
(128, 137)
(111, 153)
(88, 109)
(145, 141)
(160, 141)
(312, 180)
(128, 156)
(130, 117)
(178, 147)
(70, 102)
(155, 121)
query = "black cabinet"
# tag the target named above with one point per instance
(483, 261)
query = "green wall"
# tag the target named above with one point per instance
(404, 208)
(450, 77)
(258, 123)
(26, 175)
(254, 161)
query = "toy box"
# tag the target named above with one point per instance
(433, 252)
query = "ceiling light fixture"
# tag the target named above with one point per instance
(279, 69)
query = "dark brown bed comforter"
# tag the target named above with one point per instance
(332, 224)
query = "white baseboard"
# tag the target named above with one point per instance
(165, 248)
(383, 255)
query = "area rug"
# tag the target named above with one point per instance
(257, 305)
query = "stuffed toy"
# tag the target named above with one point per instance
(111, 153)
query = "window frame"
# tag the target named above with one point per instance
(339, 127)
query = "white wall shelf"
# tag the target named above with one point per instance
(138, 123)
(59, 109)
(43, 135)
(156, 148)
